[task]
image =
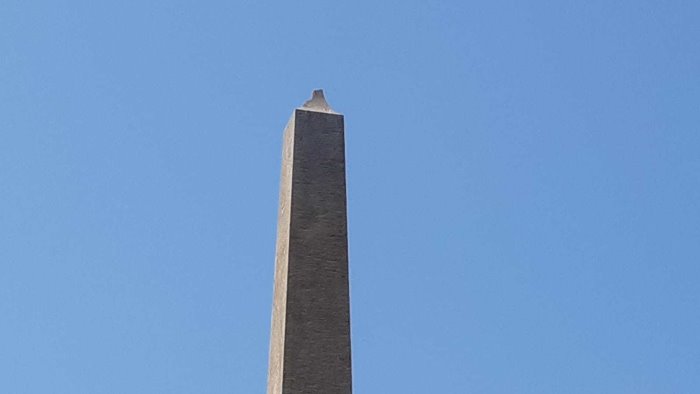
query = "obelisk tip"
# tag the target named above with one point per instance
(317, 102)
(318, 93)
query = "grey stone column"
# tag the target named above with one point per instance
(310, 337)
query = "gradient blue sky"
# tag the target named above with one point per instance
(523, 190)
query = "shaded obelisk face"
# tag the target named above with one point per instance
(310, 339)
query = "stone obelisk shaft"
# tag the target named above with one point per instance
(310, 339)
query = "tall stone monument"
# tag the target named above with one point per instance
(310, 338)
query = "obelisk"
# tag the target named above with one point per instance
(310, 336)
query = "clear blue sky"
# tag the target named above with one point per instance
(523, 190)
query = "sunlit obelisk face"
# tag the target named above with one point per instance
(310, 338)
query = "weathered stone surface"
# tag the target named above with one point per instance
(310, 338)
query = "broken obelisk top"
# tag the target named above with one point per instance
(317, 102)
(310, 336)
